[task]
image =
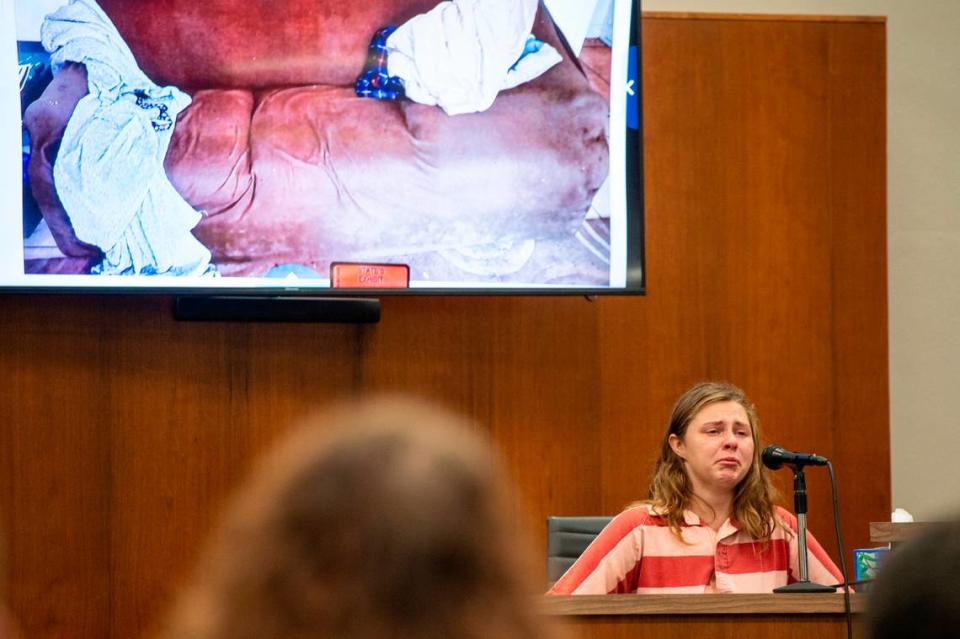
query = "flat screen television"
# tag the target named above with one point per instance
(323, 147)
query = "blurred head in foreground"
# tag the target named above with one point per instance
(917, 592)
(380, 519)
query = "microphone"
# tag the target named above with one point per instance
(775, 456)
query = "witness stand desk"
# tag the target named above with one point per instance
(799, 616)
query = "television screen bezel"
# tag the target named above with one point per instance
(635, 276)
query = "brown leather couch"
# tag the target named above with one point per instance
(289, 166)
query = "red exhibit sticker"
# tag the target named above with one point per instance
(359, 275)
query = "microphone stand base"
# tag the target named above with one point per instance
(804, 586)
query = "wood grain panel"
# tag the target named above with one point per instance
(703, 604)
(123, 433)
(193, 405)
(719, 627)
(860, 420)
(123, 430)
(888, 532)
(526, 368)
(55, 463)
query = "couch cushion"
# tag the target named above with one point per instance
(45, 119)
(340, 177)
(208, 160)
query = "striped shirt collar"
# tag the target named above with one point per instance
(690, 518)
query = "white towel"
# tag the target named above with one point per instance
(109, 171)
(462, 53)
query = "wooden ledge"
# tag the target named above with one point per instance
(886, 532)
(711, 604)
(759, 17)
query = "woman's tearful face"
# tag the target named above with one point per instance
(717, 447)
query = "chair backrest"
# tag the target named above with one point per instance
(567, 538)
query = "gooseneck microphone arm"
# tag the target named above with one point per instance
(774, 457)
(800, 507)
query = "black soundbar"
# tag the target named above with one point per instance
(239, 308)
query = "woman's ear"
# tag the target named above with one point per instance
(676, 444)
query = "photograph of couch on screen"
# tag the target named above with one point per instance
(466, 139)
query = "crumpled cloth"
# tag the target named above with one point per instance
(375, 82)
(109, 170)
(462, 53)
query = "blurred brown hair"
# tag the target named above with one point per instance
(380, 519)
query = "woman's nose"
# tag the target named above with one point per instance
(729, 440)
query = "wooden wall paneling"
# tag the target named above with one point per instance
(778, 270)
(180, 442)
(55, 463)
(434, 348)
(546, 405)
(858, 194)
(524, 368)
(195, 404)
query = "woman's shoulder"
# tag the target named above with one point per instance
(785, 517)
(631, 521)
(640, 514)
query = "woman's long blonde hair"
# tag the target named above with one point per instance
(670, 489)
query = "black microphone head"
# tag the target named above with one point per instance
(772, 456)
(775, 457)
